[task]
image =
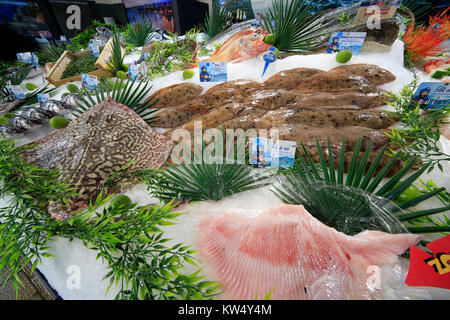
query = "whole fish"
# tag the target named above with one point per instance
(36, 114)
(6, 131)
(325, 100)
(172, 117)
(333, 118)
(176, 94)
(55, 106)
(333, 82)
(22, 123)
(289, 79)
(72, 100)
(373, 73)
(243, 86)
(269, 99)
(243, 45)
(215, 117)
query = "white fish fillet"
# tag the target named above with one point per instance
(288, 251)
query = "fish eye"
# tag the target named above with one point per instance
(254, 36)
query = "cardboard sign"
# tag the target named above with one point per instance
(385, 9)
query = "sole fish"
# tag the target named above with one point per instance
(334, 118)
(176, 94)
(289, 79)
(373, 73)
(288, 252)
(215, 117)
(329, 101)
(243, 86)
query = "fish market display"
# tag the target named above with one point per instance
(243, 45)
(376, 75)
(101, 140)
(338, 101)
(288, 252)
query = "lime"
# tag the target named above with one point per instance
(72, 88)
(9, 115)
(121, 75)
(65, 94)
(124, 67)
(344, 56)
(121, 202)
(187, 74)
(277, 53)
(58, 122)
(30, 86)
(3, 120)
(270, 38)
(410, 193)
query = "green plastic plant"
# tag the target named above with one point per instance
(294, 24)
(216, 21)
(138, 34)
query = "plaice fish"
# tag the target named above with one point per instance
(101, 140)
(376, 75)
(243, 45)
(288, 252)
(289, 79)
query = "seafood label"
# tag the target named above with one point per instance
(273, 153)
(16, 92)
(213, 71)
(433, 95)
(42, 97)
(352, 41)
(94, 49)
(89, 82)
(376, 9)
(133, 71)
(28, 57)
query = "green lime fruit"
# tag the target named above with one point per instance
(72, 88)
(410, 193)
(9, 115)
(30, 86)
(3, 120)
(187, 74)
(58, 122)
(277, 53)
(270, 38)
(121, 202)
(121, 75)
(344, 56)
(124, 67)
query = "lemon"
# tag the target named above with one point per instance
(187, 74)
(270, 38)
(344, 56)
(121, 202)
(72, 88)
(30, 86)
(58, 122)
(121, 75)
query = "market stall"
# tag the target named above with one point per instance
(334, 168)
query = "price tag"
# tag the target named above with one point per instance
(94, 48)
(89, 82)
(352, 41)
(213, 71)
(273, 153)
(433, 95)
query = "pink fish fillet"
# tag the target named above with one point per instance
(288, 251)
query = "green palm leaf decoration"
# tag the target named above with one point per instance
(216, 21)
(294, 24)
(51, 51)
(420, 10)
(210, 177)
(139, 34)
(328, 203)
(19, 75)
(132, 94)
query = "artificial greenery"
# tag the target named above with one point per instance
(208, 175)
(132, 94)
(420, 10)
(331, 205)
(79, 66)
(138, 34)
(116, 61)
(216, 21)
(174, 54)
(420, 134)
(140, 262)
(294, 24)
(50, 52)
(81, 40)
(17, 76)
(345, 19)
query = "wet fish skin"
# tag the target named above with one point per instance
(55, 106)
(36, 114)
(336, 82)
(72, 100)
(289, 79)
(176, 94)
(330, 101)
(269, 99)
(215, 117)
(333, 118)
(242, 85)
(376, 75)
(172, 117)
(21, 123)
